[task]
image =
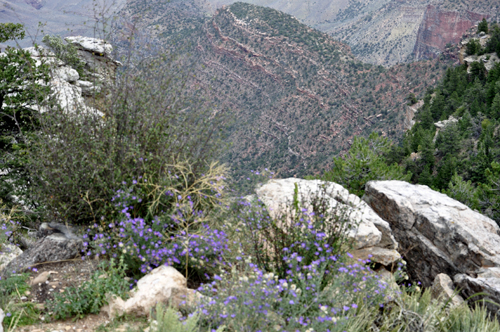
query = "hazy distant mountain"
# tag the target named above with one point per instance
(62, 17)
(387, 32)
(382, 32)
(297, 96)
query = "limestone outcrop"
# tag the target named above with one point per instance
(69, 89)
(162, 285)
(371, 236)
(438, 234)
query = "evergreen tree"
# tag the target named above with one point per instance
(365, 162)
(495, 107)
(445, 171)
(482, 26)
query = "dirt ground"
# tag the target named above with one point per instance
(71, 273)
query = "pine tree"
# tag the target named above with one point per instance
(495, 107)
(482, 26)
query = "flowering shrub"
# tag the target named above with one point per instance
(291, 273)
(253, 300)
(167, 224)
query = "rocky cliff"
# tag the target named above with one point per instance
(388, 32)
(439, 28)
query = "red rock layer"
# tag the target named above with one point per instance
(439, 28)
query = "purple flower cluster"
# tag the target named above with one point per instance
(156, 244)
(305, 285)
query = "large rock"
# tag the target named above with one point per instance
(100, 67)
(8, 252)
(53, 248)
(436, 233)
(162, 285)
(66, 73)
(480, 288)
(371, 231)
(92, 45)
(444, 290)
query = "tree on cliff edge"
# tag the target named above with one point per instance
(482, 26)
(22, 84)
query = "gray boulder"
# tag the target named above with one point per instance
(436, 233)
(8, 252)
(480, 289)
(444, 290)
(58, 243)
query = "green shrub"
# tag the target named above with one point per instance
(90, 296)
(18, 313)
(167, 320)
(79, 160)
(66, 52)
(473, 47)
(482, 26)
(365, 161)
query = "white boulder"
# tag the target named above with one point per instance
(162, 285)
(66, 73)
(368, 230)
(93, 45)
(436, 233)
(8, 252)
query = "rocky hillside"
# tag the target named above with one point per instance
(388, 32)
(297, 96)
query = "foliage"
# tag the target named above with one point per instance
(22, 87)
(90, 296)
(493, 44)
(79, 160)
(305, 227)
(12, 287)
(482, 26)
(416, 310)
(167, 223)
(11, 31)
(249, 299)
(461, 159)
(462, 191)
(364, 162)
(473, 46)
(66, 52)
(167, 320)
(412, 99)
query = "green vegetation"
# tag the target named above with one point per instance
(66, 52)
(90, 296)
(482, 26)
(493, 44)
(461, 159)
(22, 88)
(365, 161)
